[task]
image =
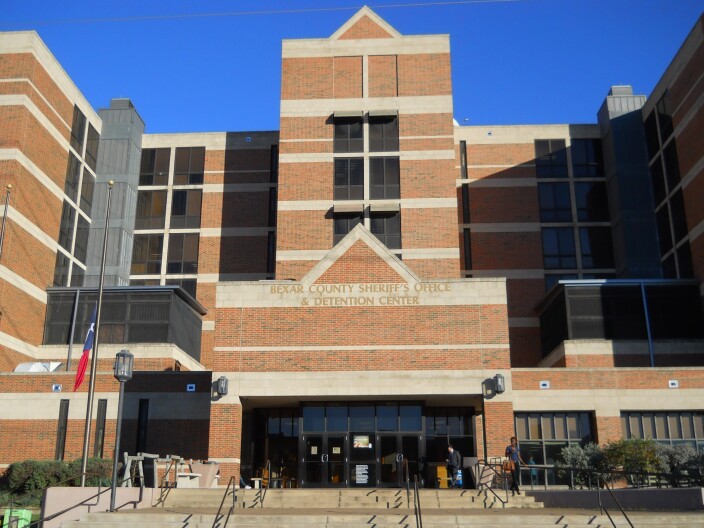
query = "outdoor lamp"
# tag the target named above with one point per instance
(221, 387)
(499, 384)
(123, 366)
(123, 373)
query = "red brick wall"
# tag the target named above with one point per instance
(365, 28)
(503, 205)
(226, 437)
(348, 77)
(307, 78)
(415, 71)
(613, 379)
(358, 265)
(382, 76)
(493, 251)
(499, 426)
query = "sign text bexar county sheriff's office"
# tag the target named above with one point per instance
(360, 294)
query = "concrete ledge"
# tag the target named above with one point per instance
(85, 501)
(683, 499)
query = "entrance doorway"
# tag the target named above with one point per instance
(399, 458)
(324, 460)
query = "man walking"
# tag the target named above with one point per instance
(454, 463)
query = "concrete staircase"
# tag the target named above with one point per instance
(378, 508)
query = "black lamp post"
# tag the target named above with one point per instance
(123, 373)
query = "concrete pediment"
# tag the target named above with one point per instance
(365, 24)
(360, 257)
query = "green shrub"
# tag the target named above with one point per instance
(633, 455)
(587, 458)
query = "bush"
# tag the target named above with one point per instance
(31, 477)
(587, 458)
(633, 455)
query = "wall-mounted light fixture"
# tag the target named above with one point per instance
(499, 384)
(221, 386)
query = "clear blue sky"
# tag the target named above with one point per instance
(513, 62)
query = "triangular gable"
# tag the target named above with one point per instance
(359, 258)
(365, 24)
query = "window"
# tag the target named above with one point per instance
(383, 134)
(80, 250)
(684, 261)
(662, 216)
(651, 135)
(78, 275)
(348, 135)
(672, 166)
(146, 254)
(384, 178)
(551, 158)
(554, 199)
(87, 192)
(185, 208)
(679, 218)
(592, 203)
(554, 278)
(596, 247)
(542, 436)
(387, 228)
(467, 246)
(73, 175)
(344, 224)
(78, 130)
(558, 248)
(100, 429)
(674, 428)
(151, 210)
(61, 429)
(154, 169)
(183, 253)
(664, 116)
(189, 166)
(349, 179)
(61, 269)
(657, 178)
(92, 143)
(587, 158)
(68, 215)
(188, 285)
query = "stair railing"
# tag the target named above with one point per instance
(613, 497)
(416, 503)
(487, 475)
(230, 490)
(265, 484)
(408, 482)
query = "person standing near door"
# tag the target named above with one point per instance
(454, 463)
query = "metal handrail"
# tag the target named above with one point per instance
(416, 503)
(408, 486)
(84, 502)
(218, 515)
(613, 497)
(165, 489)
(480, 480)
(268, 483)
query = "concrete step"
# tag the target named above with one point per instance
(267, 517)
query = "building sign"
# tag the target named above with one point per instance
(361, 474)
(371, 294)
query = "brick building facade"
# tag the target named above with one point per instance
(363, 276)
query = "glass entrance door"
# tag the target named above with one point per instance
(324, 461)
(399, 456)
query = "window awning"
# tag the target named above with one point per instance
(341, 207)
(348, 113)
(385, 207)
(383, 113)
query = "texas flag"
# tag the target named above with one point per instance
(83, 363)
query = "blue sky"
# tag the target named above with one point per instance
(513, 62)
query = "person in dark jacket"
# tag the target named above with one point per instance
(454, 463)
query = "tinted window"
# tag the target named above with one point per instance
(348, 135)
(596, 247)
(384, 178)
(554, 199)
(349, 179)
(559, 248)
(383, 134)
(592, 203)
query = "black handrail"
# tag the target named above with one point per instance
(218, 515)
(481, 485)
(84, 502)
(165, 488)
(416, 503)
(613, 497)
(268, 482)
(408, 486)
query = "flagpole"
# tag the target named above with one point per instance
(94, 359)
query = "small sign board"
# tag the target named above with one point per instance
(56, 387)
(191, 387)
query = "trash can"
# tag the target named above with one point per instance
(14, 518)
